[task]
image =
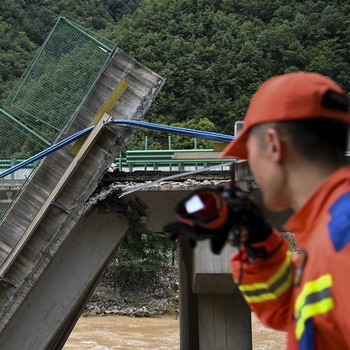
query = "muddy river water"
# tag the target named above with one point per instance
(122, 332)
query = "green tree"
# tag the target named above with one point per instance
(147, 249)
(16, 51)
(119, 8)
(183, 142)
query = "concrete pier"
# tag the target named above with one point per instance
(213, 314)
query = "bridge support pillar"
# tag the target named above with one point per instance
(213, 314)
(189, 330)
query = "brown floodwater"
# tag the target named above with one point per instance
(122, 332)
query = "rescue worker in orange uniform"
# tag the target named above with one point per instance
(295, 138)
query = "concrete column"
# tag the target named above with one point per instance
(188, 300)
(213, 314)
(224, 322)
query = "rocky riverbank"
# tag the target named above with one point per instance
(136, 291)
(141, 291)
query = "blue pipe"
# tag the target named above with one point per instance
(47, 151)
(122, 122)
(207, 135)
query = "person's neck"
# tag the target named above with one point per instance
(305, 179)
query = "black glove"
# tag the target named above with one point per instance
(175, 229)
(218, 237)
(253, 226)
(242, 219)
(246, 214)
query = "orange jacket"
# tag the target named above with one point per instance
(306, 294)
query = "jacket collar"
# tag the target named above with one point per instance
(301, 220)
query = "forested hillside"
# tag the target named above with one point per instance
(213, 53)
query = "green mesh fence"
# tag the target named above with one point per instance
(47, 98)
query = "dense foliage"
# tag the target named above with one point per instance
(213, 53)
(152, 249)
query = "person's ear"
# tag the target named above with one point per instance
(274, 144)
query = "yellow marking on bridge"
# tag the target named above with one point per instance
(108, 105)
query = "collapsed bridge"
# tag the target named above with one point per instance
(55, 241)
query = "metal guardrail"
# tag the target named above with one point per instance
(168, 160)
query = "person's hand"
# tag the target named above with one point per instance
(252, 224)
(246, 214)
(217, 237)
(221, 214)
